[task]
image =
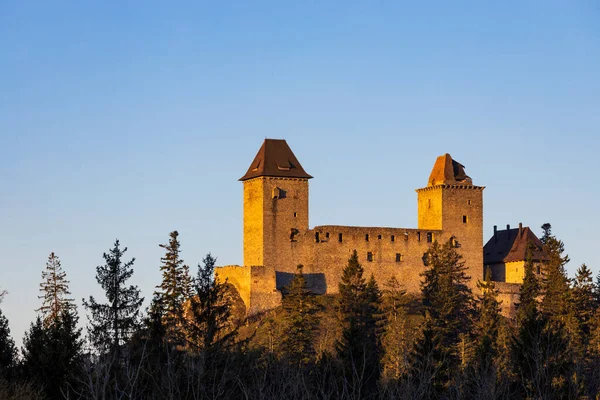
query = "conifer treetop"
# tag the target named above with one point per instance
(55, 291)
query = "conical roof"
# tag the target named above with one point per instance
(446, 171)
(275, 158)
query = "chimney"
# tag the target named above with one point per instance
(495, 234)
(520, 229)
(507, 231)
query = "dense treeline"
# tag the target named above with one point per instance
(371, 341)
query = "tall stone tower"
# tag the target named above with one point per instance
(451, 203)
(275, 207)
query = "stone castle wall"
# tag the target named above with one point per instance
(383, 252)
(255, 284)
(508, 294)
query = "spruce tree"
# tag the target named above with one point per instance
(359, 348)
(429, 365)
(8, 352)
(52, 355)
(448, 301)
(488, 323)
(555, 283)
(55, 291)
(208, 328)
(174, 289)
(300, 322)
(486, 371)
(396, 338)
(597, 290)
(113, 323)
(540, 351)
(583, 304)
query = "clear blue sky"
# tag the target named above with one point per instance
(122, 119)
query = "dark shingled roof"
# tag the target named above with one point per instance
(510, 245)
(446, 171)
(275, 158)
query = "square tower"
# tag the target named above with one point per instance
(451, 203)
(275, 206)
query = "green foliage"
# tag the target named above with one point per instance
(359, 347)
(399, 331)
(488, 324)
(539, 348)
(584, 305)
(555, 285)
(447, 299)
(8, 352)
(174, 290)
(429, 364)
(209, 326)
(52, 355)
(300, 322)
(113, 323)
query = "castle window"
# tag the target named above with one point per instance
(379, 237)
(428, 203)
(327, 235)
(469, 202)
(399, 257)
(295, 215)
(367, 237)
(369, 256)
(419, 236)
(317, 237)
(278, 193)
(393, 238)
(293, 234)
(340, 238)
(405, 235)
(465, 219)
(429, 237)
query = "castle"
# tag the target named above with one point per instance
(277, 236)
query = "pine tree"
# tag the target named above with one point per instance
(485, 379)
(397, 336)
(540, 351)
(55, 291)
(447, 300)
(175, 288)
(52, 355)
(583, 304)
(8, 352)
(359, 347)
(113, 323)
(210, 330)
(597, 290)
(555, 285)
(488, 323)
(300, 322)
(429, 365)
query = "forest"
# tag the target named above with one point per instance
(370, 341)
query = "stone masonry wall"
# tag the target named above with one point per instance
(323, 253)
(508, 294)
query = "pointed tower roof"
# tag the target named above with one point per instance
(446, 171)
(275, 158)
